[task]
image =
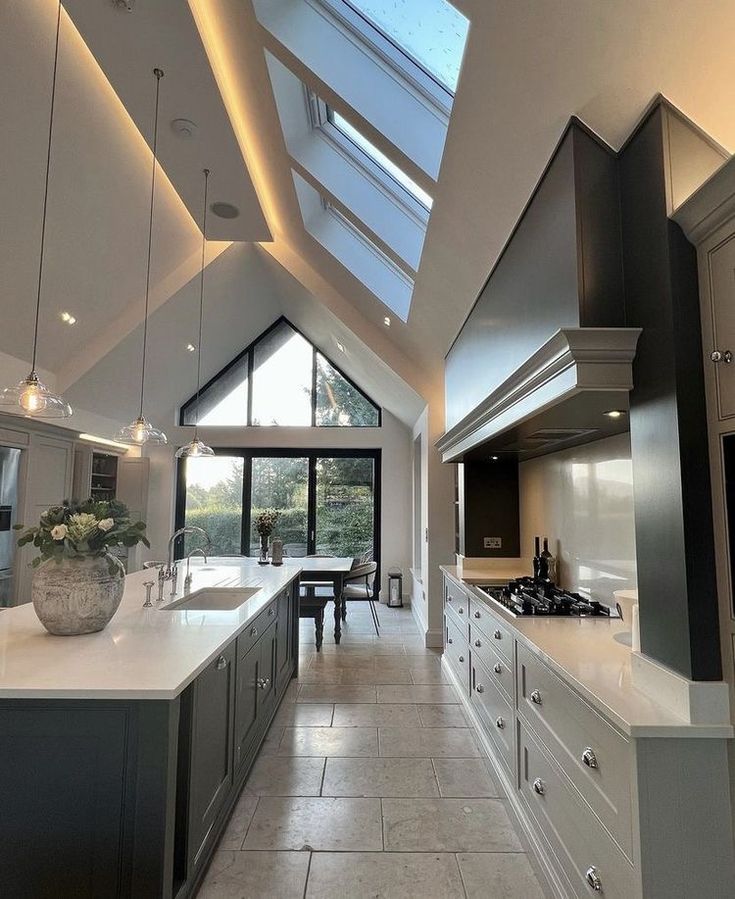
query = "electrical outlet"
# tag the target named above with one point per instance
(492, 542)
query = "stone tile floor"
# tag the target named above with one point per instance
(370, 785)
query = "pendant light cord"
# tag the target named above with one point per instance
(201, 303)
(159, 74)
(45, 189)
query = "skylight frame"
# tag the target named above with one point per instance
(390, 53)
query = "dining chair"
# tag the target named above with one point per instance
(359, 586)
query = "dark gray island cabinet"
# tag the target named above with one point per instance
(103, 798)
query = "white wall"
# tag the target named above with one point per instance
(393, 438)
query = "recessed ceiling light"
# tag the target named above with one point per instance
(386, 321)
(184, 128)
(616, 413)
(494, 458)
(225, 210)
(190, 347)
(340, 346)
(67, 318)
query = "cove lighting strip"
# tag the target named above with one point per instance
(105, 441)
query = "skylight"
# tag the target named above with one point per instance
(431, 32)
(408, 184)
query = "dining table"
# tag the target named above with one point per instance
(327, 569)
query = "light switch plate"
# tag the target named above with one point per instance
(492, 542)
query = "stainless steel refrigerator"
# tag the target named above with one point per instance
(9, 468)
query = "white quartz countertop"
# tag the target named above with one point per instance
(142, 653)
(585, 653)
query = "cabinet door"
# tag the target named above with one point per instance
(722, 286)
(284, 649)
(132, 485)
(268, 666)
(246, 702)
(211, 773)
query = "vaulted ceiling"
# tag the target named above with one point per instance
(527, 68)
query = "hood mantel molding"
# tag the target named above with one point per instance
(573, 361)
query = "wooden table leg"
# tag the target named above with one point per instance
(337, 609)
(319, 627)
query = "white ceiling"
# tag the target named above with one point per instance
(525, 73)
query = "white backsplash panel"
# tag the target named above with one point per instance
(582, 500)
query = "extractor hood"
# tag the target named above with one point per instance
(559, 397)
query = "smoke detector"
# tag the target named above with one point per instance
(124, 5)
(225, 210)
(184, 128)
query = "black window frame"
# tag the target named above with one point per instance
(247, 355)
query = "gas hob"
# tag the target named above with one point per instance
(527, 596)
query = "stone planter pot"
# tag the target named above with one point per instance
(77, 596)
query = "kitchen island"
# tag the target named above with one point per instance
(124, 751)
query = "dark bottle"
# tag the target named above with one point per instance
(537, 557)
(548, 563)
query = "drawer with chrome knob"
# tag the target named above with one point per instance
(592, 876)
(460, 610)
(539, 786)
(477, 615)
(589, 757)
(498, 668)
(500, 722)
(536, 697)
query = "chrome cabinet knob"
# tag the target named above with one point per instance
(592, 876)
(498, 635)
(721, 356)
(478, 644)
(477, 615)
(449, 598)
(271, 612)
(536, 697)
(499, 722)
(449, 640)
(497, 668)
(263, 682)
(221, 663)
(589, 757)
(480, 688)
(461, 658)
(539, 786)
(253, 631)
(460, 610)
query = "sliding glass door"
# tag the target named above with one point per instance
(329, 501)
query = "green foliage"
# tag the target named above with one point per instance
(82, 530)
(338, 402)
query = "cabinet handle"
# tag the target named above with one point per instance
(589, 757)
(498, 668)
(253, 631)
(221, 663)
(270, 612)
(536, 697)
(498, 635)
(449, 640)
(477, 615)
(478, 644)
(461, 658)
(263, 682)
(499, 722)
(480, 688)
(593, 878)
(460, 610)
(539, 786)
(721, 356)
(449, 599)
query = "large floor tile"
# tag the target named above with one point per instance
(422, 674)
(365, 875)
(427, 742)
(465, 778)
(324, 693)
(500, 875)
(272, 740)
(304, 714)
(323, 824)
(445, 825)
(256, 875)
(239, 821)
(432, 693)
(442, 715)
(329, 741)
(289, 776)
(392, 675)
(379, 777)
(376, 714)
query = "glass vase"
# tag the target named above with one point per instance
(263, 559)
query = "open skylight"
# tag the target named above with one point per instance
(430, 32)
(370, 150)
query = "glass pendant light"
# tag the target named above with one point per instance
(197, 447)
(32, 397)
(141, 430)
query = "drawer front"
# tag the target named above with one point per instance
(457, 652)
(249, 637)
(457, 599)
(497, 633)
(495, 710)
(501, 670)
(459, 620)
(595, 757)
(581, 845)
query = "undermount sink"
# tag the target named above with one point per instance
(213, 599)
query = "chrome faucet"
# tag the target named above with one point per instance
(194, 552)
(171, 572)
